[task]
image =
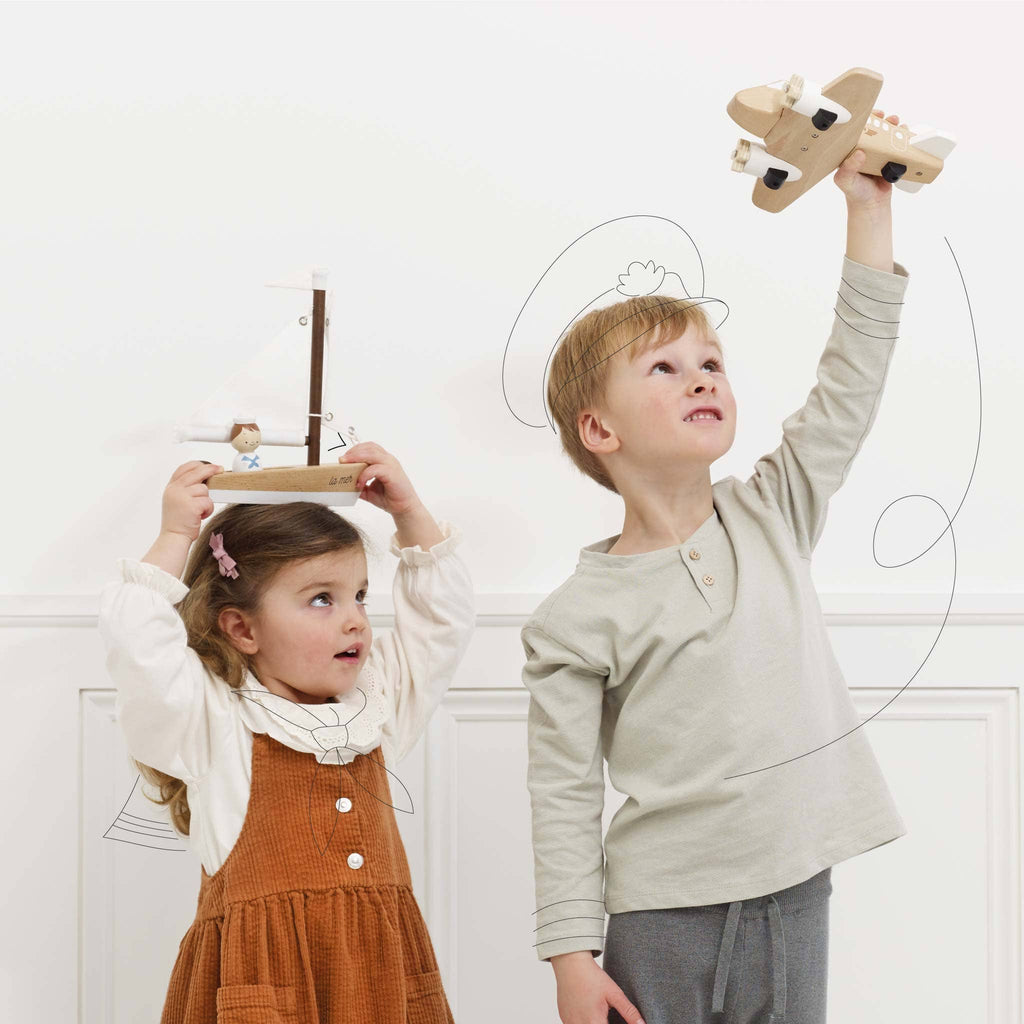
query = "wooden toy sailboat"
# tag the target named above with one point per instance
(248, 482)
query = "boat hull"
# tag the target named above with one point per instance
(333, 485)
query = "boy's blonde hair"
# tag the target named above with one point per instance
(262, 539)
(581, 363)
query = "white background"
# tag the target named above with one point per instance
(162, 162)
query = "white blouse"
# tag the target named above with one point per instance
(180, 718)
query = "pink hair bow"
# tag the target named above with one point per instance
(224, 560)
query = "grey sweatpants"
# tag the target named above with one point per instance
(753, 961)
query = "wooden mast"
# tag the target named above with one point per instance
(316, 369)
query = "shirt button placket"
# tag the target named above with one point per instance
(708, 579)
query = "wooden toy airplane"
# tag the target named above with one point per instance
(809, 131)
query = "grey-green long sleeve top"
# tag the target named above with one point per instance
(686, 665)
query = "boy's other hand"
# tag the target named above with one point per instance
(585, 992)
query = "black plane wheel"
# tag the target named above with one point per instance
(892, 172)
(823, 120)
(774, 178)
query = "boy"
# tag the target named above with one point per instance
(690, 652)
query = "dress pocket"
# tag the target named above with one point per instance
(256, 1004)
(425, 1001)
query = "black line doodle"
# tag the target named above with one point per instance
(580, 917)
(149, 827)
(623, 288)
(331, 737)
(353, 438)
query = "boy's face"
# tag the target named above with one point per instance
(647, 402)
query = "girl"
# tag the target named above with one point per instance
(238, 688)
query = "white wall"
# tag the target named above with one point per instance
(160, 163)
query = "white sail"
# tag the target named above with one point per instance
(271, 384)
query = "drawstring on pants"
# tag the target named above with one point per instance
(778, 943)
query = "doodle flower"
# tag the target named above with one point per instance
(640, 279)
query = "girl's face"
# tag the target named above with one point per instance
(312, 611)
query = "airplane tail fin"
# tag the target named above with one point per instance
(931, 140)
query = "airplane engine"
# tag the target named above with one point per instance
(804, 97)
(752, 158)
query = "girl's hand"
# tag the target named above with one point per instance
(390, 488)
(186, 500)
(863, 189)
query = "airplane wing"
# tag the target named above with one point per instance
(817, 153)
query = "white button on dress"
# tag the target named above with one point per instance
(343, 804)
(355, 860)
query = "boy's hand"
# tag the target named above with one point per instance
(390, 489)
(864, 190)
(186, 501)
(585, 992)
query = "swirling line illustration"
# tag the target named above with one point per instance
(898, 565)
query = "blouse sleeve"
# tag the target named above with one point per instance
(161, 683)
(435, 615)
(820, 440)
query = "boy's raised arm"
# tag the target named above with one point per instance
(820, 440)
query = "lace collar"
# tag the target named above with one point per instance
(351, 720)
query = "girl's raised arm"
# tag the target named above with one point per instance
(166, 702)
(435, 615)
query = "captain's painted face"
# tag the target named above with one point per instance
(248, 440)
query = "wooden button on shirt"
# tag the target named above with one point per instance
(692, 667)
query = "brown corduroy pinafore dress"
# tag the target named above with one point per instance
(285, 934)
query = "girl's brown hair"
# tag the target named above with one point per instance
(580, 367)
(262, 539)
